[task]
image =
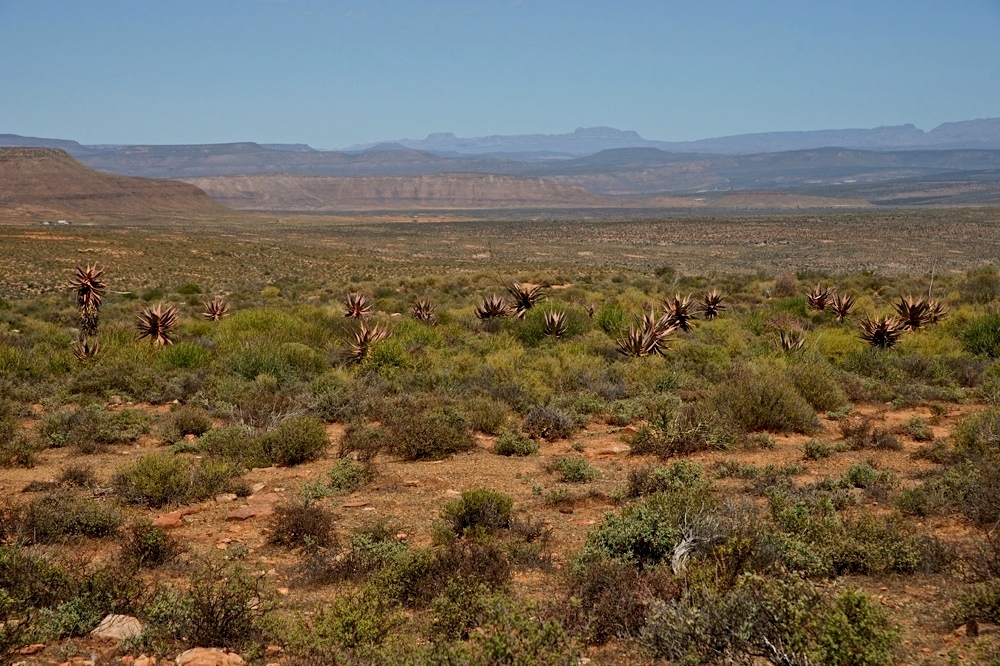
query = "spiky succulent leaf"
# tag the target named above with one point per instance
(493, 307)
(555, 324)
(215, 309)
(84, 349)
(711, 304)
(680, 312)
(89, 286)
(357, 305)
(365, 338)
(155, 323)
(423, 310)
(525, 297)
(818, 298)
(842, 306)
(881, 332)
(791, 341)
(913, 313)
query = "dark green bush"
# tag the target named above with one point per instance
(764, 400)
(692, 428)
(643, 534)
(296, 440)
(185, 420)
(857, 632)
(816, 382)
(53, 517)
(982, 336)
(478, 511)
(511, 443)
(348, 622)
(816, 449)
(486, 415)
(682, 476)
(93, 428)
(977, 434)
(156, 480)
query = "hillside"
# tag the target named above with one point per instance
(48, 181)
(460, 191)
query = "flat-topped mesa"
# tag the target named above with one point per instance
(49, 181)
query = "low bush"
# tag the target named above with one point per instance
(643, 534)
(308, 525)
(348, 622)
(221, 604)
(982, 336)
(53, 517)
(431, 433)
(816, 449)
(758, 400)
(918, 429)
(79, 475)
(462, 606)
(977, 434)
(855, 631)
(156, 480)
(348, 475)
(186, 420)
(486, 415)
(296, 440)
(512, 443)
(680, 477)
(146, 545)
(691, 428)
(548, 423)
(93, 428)
(816, 382)
(363, 440)
(573, 469)
(478, 511)
(860, 433)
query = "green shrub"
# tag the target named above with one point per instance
(296, 440)
(433, 433)
(93, 428)
(511, 443)
(486, 415)
(643, 534)
(185, 420)
(156, 480)
(53, 517)
(863, 475)
(231, 444)
(982, 336)
(348, 622)
(611, 319)
(185, 355)
(364, 440)
(977, 434)
(574, 469)
(462, 606)
(146, 545)
(478, 511)
(980, 604)
(222, 604)
(348, 475)
(548, 423)
(816, 449)
(692, 428)
(764, 400)
(815, 381)
(857, 632)
(680, 477)
(917, 428)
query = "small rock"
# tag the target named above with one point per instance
(208, 657)
(452, 492)
(264, 498)
(169, 520)
(143, 660)
(189, 438)
(257, 487)
(32, 649)
(354, 505)
(274, 649)
(247, 512)
(402, 536)
(225, 497)
(411, 484)
(283, 591)
(115, 400)
(117, 627)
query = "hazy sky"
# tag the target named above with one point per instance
(339, 72)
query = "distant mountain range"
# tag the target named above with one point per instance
(854, 164)
(983, 133)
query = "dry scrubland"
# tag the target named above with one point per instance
(503, 490)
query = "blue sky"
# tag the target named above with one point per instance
(341, 72)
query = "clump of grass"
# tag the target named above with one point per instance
(757, 400)
(574, 469)
(185, 420)
(681, 476)
(549, 423)
(55, 516)
(146, 545)
(512, 443)
(93, 429)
